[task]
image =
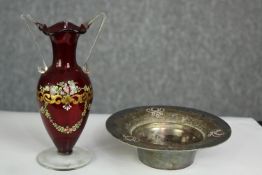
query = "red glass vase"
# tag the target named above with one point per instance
(64, 91)
(65, 94)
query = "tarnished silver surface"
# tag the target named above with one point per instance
(168, 160)
(167, 137)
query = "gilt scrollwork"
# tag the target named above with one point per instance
(68, 94)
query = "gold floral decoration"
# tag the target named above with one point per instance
(65, 93)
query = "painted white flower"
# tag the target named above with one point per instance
(66, 88)
(67, 107)
(61, 92)
(53, 90)
(73, 87)
(61, 84)
(46, 88)
(70, 82)
(73, 90)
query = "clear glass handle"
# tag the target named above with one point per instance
(87, 25)
(29, 21)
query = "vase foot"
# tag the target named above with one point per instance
(52, 159)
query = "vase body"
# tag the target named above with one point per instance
(64, 91)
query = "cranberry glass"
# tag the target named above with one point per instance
(64, 91)
(65, 94)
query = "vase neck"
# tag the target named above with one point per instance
(64, 49)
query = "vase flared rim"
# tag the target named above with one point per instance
(63, 26)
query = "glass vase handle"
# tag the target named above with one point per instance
(87, 24)
(29, 21)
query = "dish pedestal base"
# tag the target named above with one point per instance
(169, 160)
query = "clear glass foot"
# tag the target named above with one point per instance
(51, 159)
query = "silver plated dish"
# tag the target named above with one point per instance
(167, 137)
